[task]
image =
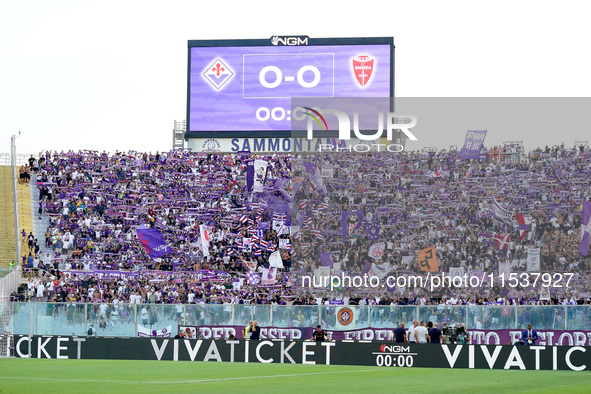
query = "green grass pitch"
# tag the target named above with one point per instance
(108, 376)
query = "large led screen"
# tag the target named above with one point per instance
(240, 91)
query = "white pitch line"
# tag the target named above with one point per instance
(75, 380)
(271, 376)
(190, 381)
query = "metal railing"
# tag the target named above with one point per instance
(41, 318)
(10, 282)
(21, 159)
(14, 163)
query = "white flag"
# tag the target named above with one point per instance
(260, 173)
(278, 226)
(275, 260)
(380, 270)
(204, 239)
(504, 269)
(269, 276)
(376, 251)
(456, 271)
(533, 259)
(321, 272)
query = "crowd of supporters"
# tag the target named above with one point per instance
(466, 209)
(404, 202)
(96, 201)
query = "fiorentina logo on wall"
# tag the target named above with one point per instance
(345, 316)
(362, 68)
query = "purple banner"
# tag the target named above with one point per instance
(153, 242)
(585, 228)
(325, 259)
(249, 176)
(373, 232)
(477, 337)
(473, 144)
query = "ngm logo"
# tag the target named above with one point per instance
(284, 40)
(394, 349)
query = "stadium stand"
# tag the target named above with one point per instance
(475, 215)
(410, 201)
(95, 202)
(92, 263)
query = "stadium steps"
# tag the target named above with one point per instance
(24, 211)
(7, 245)
(39, 225)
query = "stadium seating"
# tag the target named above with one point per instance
(410, 201)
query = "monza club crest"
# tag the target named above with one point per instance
(363, 68)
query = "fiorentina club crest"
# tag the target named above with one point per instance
(362, 68)
(345, 316)
(218, 73)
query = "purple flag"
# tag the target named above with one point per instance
(280, 183)
(473, 144)
(153, 242)
(250, 177)
(349, 222)
(585, 228)
(253, 278)
(310, 167)
(373, 232)
(325, 259)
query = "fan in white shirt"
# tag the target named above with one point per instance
(412, 336)
(190, 297)
(422, 333)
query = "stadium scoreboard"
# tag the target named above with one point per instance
(243, 88)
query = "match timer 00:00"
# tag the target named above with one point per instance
(279, 114)
(395, 356)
